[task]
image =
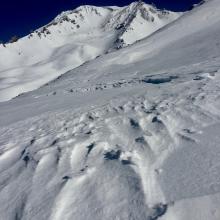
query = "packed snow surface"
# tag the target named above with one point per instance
(131, 135)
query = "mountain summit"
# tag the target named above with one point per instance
(71, 39)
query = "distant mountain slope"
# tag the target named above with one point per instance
(71, 39)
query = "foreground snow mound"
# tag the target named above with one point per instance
(71, 39)
(133, 134)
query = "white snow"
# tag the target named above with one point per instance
(133, 134)
(70, 40)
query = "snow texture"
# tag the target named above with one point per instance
(130, 135)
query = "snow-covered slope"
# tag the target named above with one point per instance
(133, 134)
(71, 39)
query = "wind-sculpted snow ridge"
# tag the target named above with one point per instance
(133, 134)
(71, 39)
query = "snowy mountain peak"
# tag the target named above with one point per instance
(135, 4)
(72, 38)
(129, 19)
(139, 20)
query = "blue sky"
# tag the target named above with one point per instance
(18, 17)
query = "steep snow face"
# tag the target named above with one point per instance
(71, 39)
(138, 21)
